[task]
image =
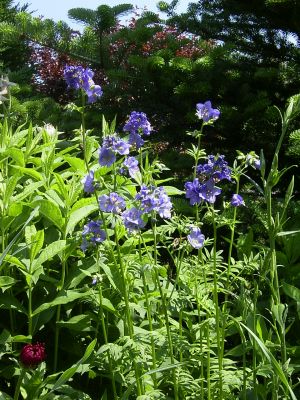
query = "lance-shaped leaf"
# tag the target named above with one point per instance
(67, 375)
(51, 211)
(79, 215)
(64, 297)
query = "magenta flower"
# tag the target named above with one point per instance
(32, 355)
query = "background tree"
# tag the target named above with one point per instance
(14, 52)
(102, 21)
(255, 66)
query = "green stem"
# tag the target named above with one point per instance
(217, 311)
(58, 311)
(29, 309)
(197, 155)
(111, 371)
(208, 360)
(83, 130)
(149, 316)
(130, 329)
(165, 311)
(19, 383)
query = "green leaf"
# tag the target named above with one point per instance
(4, 396)
(15, 209)
(173, 191)
(51, 211)
(286, 233)
(272, 360)
(67, 375)
(78, 323)
(3, 255)
(106, 304)
(79, 215)
(18, 138)
(83, 202)
(64, 297)
(27, 191)
(63, 190)
(37, 244)
(17, 155)
(10, 188)
(14, 261)
(291, 291)
(10, 302)
(76, 164)
(30, 172)
(49, 252)
(6, 282)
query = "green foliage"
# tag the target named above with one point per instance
(142, 315)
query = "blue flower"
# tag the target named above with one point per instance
(88, 182)
(237, 200)
(110, 146)
(112, 203)
(216, 168)
(257, 164)
(136, 140)
(92, 234)
(163, 203)
(196, 191)
(209, 191)
(138, 123)
(196, 238)
(133, 220)
(132, 164)
(106, 157)
(94, 93)
(73, 76)
(78, 77)
(193, 191)
(154, 199)
(121, 147)
(206, 112)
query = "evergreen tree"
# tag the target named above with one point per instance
(101, 21)
(14, 51)
(256, 63)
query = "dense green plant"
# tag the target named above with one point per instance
(135, 298)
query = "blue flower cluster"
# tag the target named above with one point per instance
(92, 234)
(137, 125)
(111, 203)
(78, 77)
(132, 219)
(154, 199)
(203, 188)
(110, 147)
(148, 199)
